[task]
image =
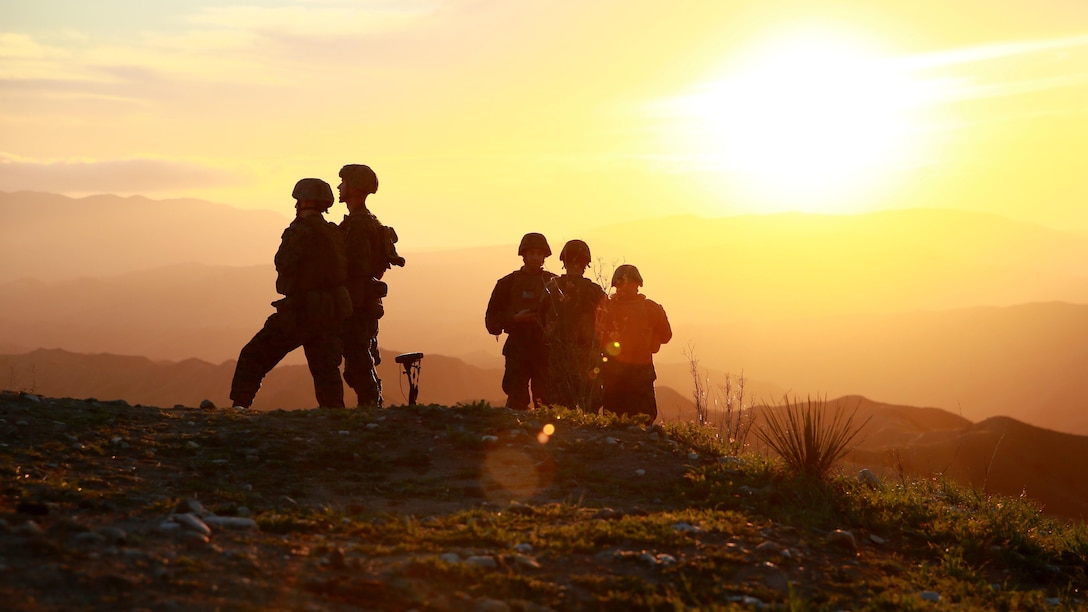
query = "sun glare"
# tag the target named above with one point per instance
(806, 122)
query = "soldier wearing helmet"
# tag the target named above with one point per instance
(371, 249)
(631, 328)
(311, 268)
(515, 308)
(570, 308)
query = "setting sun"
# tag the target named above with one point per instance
(808, 121)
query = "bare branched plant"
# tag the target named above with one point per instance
(726, 410)
(807, 441)
(699, 392)
(735, 419)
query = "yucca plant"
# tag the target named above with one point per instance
(806, 440)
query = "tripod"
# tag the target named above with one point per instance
(410, 361)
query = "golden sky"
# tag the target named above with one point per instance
(485, 119)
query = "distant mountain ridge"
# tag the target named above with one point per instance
(53, 237)
(139, 380)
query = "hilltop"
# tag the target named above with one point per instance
(110, 505)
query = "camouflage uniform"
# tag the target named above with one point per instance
(371, 251)
(525, 350)
(631, 330)
(311, 267)
(574, 355)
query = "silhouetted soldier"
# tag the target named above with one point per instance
(631, 329)
(372, 250)
(311, 268)
(515, 307)
(570, 310)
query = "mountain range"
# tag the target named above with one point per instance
(973, 313)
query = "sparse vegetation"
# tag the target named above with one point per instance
(804, 436)
(605, 513)
(725, 409)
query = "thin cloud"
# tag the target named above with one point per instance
(997, 51)
(111, 176)
(317, 19)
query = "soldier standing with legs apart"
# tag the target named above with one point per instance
(371, 249)
(570, 310)
(515, 308)
(311, 268)
(631, 329)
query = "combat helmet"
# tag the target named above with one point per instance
(361, 176)
(627, 272)
(313, 189)
(575, 250)
(533, 240)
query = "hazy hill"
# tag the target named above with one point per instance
(1024, 361)
(139, 380)
(51, 237)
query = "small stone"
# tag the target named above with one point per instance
(192, 444)
(731, 461)
(485, 561)
(769, 548)
(640, 472)
(489, 438)
(29, 528)
(89, 538)
(192, 506)
(485, 604)
(231, 522)
(523, 547)
(693, 456)
(868, 478)
(526, 561)
(842, 539)
(875, 539)
(666, 559)
(611, 440)
(931, 596)
(648, 559)
(450, 557)
(191, 522)
(517, 507)
(344, 432)
(372, 425)
(192, 538)
(207, 405)
(686, 527)
(606, 514)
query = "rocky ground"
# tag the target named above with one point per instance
(105, 505)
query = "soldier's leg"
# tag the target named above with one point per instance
(267, 348)
(515, 381)
(538, 376)
(359, 370)
(643, 397)
(323, 357)
(621, 388)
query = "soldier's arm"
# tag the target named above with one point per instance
(498, 308)
(662, 329)
(289, 260)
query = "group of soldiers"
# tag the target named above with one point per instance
(330, 277)
(568, 342)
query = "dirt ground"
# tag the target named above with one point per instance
(108, 506)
